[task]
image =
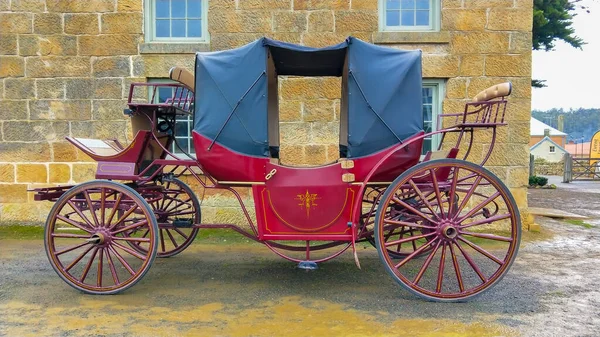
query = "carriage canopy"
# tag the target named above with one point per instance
(237, 93)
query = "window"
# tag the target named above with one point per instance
(552, 149)
(411, 15)
(432, 106)
(183, 124)
(176, 20)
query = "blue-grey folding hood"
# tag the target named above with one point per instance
(381, 92)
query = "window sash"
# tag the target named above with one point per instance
(434, 18)
(150, 19)
(437, 97)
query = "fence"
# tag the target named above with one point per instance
(583, 169)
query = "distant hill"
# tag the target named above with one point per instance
(580, 123)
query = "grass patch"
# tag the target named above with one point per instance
(21, 232)
(578, 222)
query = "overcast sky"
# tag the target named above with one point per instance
(572, 75)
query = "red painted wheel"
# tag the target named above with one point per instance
(85, 240)
(391, 232)
(466, 246)
(176, 211)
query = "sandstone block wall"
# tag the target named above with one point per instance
(66, 66)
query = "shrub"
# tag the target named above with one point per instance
(538, 181)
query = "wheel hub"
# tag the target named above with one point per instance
(99, 238)
(448, 231)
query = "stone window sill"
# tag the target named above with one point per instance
(411, 37)
(173, 48)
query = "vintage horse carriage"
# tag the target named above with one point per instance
(446, 229)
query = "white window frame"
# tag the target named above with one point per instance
(435, 19)
(439, 87)
(552, 149)
(150, 27)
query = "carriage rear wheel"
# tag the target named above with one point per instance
(85, 237)
(468, 233)
(176, 211)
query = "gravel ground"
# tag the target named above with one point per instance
(244, 290)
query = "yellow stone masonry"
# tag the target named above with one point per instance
(66, 66)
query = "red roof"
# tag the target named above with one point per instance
(579, 149)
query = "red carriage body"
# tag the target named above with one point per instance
(381, 190)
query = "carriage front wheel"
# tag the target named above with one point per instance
(86, 240)
(465, 224)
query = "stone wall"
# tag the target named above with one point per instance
(66, 66)
(543, 167)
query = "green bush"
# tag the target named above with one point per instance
(542, 181)
(538, 181)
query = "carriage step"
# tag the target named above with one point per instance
(183, 223)
(308, 265)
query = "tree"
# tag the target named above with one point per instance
(553, 20)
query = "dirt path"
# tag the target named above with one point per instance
(244, 290)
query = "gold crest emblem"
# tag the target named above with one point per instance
(307, 200)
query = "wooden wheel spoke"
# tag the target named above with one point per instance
(436, 188)
(426, 264)
(472, 263)
(391, 243)
(413, 210)
(452, 192)
(130, 227)
(88, 265)
(162, 240)
(91, 207)
(100, 262)
(66, 250)
(180, 232)
(102, 205)
(112, 268)
(172, 238)
(487, 236)
(487, 220)
(482, 251)
(424, 199)
(407, 224)
(457, 269)
(74, 223)
(70, 236)
(72, 264)
(468, 196)
(478, 207)
(80, 213)
(122, 260)
(114, 210)
(124, 216)
(130, 251)
(130, 239)
(413, 254)
(440, 279)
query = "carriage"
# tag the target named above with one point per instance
(445, 228)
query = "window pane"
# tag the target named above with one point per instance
(181, 128)
(194, 8)
(408, 4)
(392, 18)
(178, 28)
(426, 145)
(423, 4)
(408, 18)
(162, 8)
(183, 144)
(178, 8)
(164, 93)
(392, 4)
(427, 95)
(422, 18)
(427, 112)
(162, 28)
(194, 28)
